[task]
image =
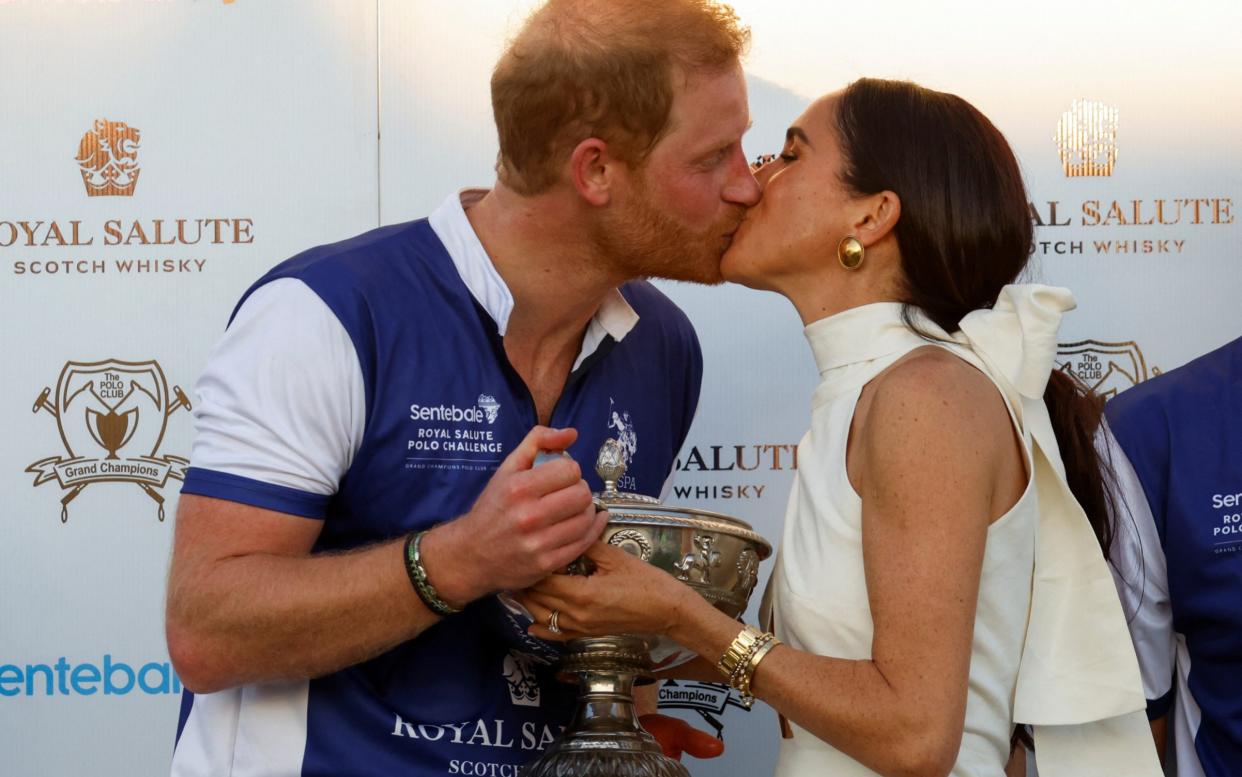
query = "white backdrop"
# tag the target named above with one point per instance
(286, 124)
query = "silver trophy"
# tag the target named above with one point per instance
(714, 554)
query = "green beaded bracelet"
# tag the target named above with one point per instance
(418, 577)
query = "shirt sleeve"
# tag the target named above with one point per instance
(280, 407)
(1141, 575)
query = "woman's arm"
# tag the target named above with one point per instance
(699, 669)
(927, 458)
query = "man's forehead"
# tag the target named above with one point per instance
(710, 107)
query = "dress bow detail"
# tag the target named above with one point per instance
(1018, 335)
(1078, 681)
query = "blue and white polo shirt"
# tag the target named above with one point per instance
(1181, 480)
(365, 384)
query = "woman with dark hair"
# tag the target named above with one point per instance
(941, 579)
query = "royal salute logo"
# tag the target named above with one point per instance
(733, 471)
(123, 242)
(112, 416)
(1104, 368)
(1086, 139)
(108, 158)
(1112, 225)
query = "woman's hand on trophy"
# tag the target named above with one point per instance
(530, 521)
(625, 595)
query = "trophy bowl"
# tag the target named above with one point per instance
(716, 555)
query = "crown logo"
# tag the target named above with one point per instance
(108, 157)
(1087, 139)
(519, 673)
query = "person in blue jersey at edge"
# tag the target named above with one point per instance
(1178, 458)
(364, 476)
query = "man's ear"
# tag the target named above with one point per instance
(878, 218)
(591, 169)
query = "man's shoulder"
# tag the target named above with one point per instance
(657, 313)
(1192, 388)
(362, 255)
(396, 261)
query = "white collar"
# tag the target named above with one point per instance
(615, 317)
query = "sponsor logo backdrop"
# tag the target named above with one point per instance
(159, 155)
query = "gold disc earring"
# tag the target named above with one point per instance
(850, 251)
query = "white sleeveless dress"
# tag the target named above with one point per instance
(1050, 644)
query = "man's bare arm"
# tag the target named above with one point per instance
(249, 602)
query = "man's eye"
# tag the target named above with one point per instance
(787, 158)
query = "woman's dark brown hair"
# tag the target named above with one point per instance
(964, 232)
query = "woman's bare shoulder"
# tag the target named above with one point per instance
(931, 392)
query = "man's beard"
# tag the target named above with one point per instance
(645, 242)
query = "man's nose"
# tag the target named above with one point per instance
(742, 188)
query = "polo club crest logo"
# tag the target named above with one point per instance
(1104, 368)
(108, 157)
(111, 416)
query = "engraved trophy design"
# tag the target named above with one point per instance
(716, 555)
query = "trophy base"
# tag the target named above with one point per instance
(604, 738)
(606, 764)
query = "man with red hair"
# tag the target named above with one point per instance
(364, 475)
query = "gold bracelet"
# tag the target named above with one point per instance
(735, 679)
(743, 667)
(742, 658)
(738, 651)
(753, 663)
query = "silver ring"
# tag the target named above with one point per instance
(552, 619)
